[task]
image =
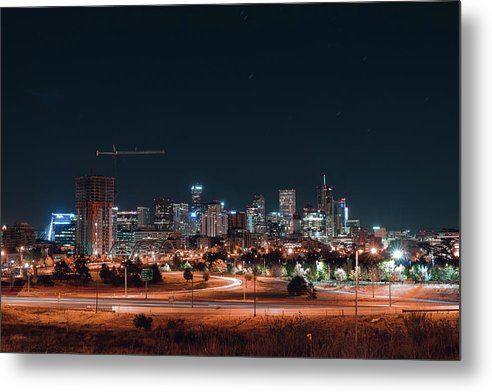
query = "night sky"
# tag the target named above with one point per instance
(244, 99)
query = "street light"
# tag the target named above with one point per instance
(356, 294)
(374, 251)
(397, 255)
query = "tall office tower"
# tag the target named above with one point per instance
(297, 224)
(314, 223)
(250, 218)
(181, 215)
(196, 209)
(236, 220)
(196, 195)
(260, 218)
(143, 216)
(287, 203)
(126, 225)
(340, 217)
(94, 199)
(214, 221)
(62, 229)
(163, 214)
(326, 204)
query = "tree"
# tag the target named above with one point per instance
(206, 276)
(61, 271)
(156, 274)
(105, 273)
(82, 269)
(297, 286)
(187, 274)
(141, 321)
(219, 266)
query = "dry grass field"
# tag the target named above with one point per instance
(430, 336)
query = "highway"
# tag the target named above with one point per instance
(229, 307)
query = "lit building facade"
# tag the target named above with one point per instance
(143, 216)
(214, 221)
(340, 218)
(326, 204)
(94, 201)
(62, 229)
(181, 216)
(126, 225)
(287, 204)
(164, 214)
(314, 224)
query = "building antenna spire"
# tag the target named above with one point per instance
(324, 179)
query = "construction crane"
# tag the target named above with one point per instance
(115, 152)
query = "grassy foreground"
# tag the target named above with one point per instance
(389, 336)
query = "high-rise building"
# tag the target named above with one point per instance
(314, 223)
(62, 229)
(250, 218)
(181, 216)
(287, 203)
(163, 214)
(143, 216)
(19, 235)
(326, 204)
(214, 221)
(126, 225)
(236, 220)
(196, 209)
(94, 199)
(260, 214)
(340, 217)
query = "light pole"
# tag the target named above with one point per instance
(356, 295)
(374, 251)
(397, 255)
(254, 293)
(126, 279)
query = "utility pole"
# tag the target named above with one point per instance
(254, 293)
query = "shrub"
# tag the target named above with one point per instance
(340, 275)
(219, 266)
(187, 274)
(206, 276)
(278, 270)
(141, 321)
(297, 286)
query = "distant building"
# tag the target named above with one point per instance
(181, 216)
(236, 220)
(326, 204)
(164, 214)
(340, 217)
(287, 204)
(314, 224)
(379, 232)
(259, 219)
(62, 229)
(143, 216)
(17, 236)
(214, 221)
(94, 202)
(126, 225)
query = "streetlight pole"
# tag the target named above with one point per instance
(192, 290)
(356, 295)
(126, 280)
(254, 293)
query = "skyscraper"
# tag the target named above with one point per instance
(287, 203)
(340, 217)
(326, 204)
(214, 221)
(143, 216)
(196, 194)
(94, 199)
(259, 224)
(126, 225)
(181, 216)
(314, 223)
(62, 229)
(164, 214)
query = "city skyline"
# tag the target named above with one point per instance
(378, 116)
